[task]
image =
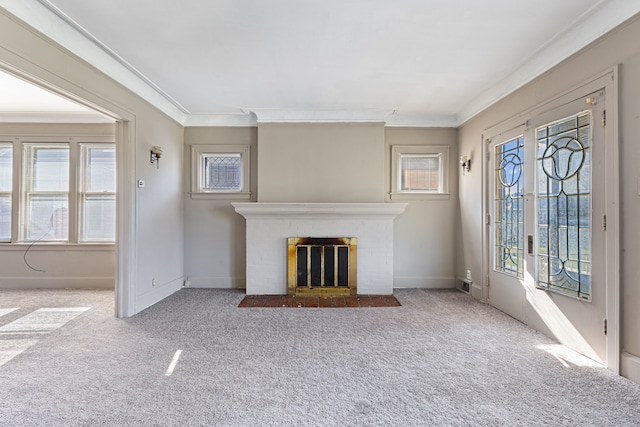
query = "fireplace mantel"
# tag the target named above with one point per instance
(257, 210)
(270, 224)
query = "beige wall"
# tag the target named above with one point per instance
(214, 233)
(424, 242)
(618, 47)
(153, 219)
(321, 163)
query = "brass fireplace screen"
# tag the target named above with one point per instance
(321, 266)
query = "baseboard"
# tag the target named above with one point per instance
(157, 294)
(211, 282)
(630, 367)
(57, 283)
(424, 282)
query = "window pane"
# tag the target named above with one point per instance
(564, 186)
(101, 169)
(509, 207)
(223, 172)
(99, 218)
(5, 218)
(6, 168)
(98, 211)
(419, 173)
(49, 168)
(48, 217)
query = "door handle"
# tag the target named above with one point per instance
(530, 244)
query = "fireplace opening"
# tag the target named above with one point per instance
(322, 265)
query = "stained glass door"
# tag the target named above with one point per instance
(546, 198)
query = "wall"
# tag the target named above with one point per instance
(321, 163)
(424, 249)
(289, 165)
(214, 233)
(617, 47)
(152, 246)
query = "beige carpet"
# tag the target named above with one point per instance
(441, 358)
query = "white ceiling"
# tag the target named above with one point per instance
(410, 62)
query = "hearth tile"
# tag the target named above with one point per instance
(312, 302)
(334, 301)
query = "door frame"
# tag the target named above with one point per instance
(125, 121)
(609, 82)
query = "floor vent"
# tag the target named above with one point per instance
(463, 285)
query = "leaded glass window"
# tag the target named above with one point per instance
(564, 205)
(509, 207)
(223, 172)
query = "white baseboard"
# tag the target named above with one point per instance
(630, 366)
(211, 282)
(57, 283)
(157, 294)
(424, 282)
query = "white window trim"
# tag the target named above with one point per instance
(199, 152)
(397, 151)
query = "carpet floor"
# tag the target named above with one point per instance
(195, 359)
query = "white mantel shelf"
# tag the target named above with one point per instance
(270, 224)
(257, 210)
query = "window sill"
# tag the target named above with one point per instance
(222, 196)
(420, 196)
(57, 246)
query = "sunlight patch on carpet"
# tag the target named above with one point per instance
(44, 319)
(4, 311)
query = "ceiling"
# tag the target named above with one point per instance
(408, 62)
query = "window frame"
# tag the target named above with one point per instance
(198, 155)
(28, 190)
(398, 152)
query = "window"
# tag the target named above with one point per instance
(6, 184)
(57, 190)
(97, 195)
(220, 171)
(46, 192)
(419, 171)
(509, 207)
(564, 205)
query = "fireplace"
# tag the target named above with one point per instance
(321, 266)
(269, 225)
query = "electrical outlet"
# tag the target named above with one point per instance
(187, 283)
(140, 183)
(153, 282)
(468, 274)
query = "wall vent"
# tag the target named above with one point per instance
(463, 285)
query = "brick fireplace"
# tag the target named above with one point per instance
(269, 225)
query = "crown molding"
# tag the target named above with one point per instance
(594, 23)
(54, 117)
